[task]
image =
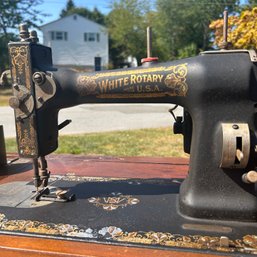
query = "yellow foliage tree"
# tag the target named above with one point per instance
(242, 30)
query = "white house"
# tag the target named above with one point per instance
(76, 41)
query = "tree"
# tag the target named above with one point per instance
(251, 3)
(183, 26)
(127, 24)
(94, 15)
(241, 30)
(12, 13)
(15, 12)
(69, 6)
(4, 57)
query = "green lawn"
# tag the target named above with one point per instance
(5, 94)
(143, 142)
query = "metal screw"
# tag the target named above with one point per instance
(39, 78)
(235, 126)
(40, 99)
(16, 86)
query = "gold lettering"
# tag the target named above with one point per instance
(139, 79)
(133, 79)
(144, 77)
(120, 82)
(160, 77)
(148, 88)
(111, 84)
(126, 81)
(130, 89)
(155, 78)
(156, 88)
(149, 78)
(103, 85)
(139, 89)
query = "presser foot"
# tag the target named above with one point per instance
(59, 195)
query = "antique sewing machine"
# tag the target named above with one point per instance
(218, 90)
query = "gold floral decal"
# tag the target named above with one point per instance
(26, 140)
(38, 227)
(177, 80)
(19, 57)
(248, 244)
(158, 81)
(27, 145)
(21, 74)
(113, 202)
(89, 82)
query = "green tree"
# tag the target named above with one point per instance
(12, 13)
(94, 15)
(183, 26)
(4, 57)
(127, 24)
(251, 3)
(69, 6)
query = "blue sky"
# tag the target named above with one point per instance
(54, 7)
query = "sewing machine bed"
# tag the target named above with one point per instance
(119, 201)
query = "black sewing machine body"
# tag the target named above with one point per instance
(218, 91)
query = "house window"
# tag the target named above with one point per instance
(59, 35)
(91, 37)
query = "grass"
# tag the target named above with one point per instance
(144, 142)
(5, 94)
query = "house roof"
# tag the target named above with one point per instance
(86, 19)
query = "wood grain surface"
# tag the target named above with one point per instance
(18, 246)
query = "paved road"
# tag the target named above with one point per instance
(103, 117)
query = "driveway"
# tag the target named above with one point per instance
(88, 118)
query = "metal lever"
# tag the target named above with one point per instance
(64, 124)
